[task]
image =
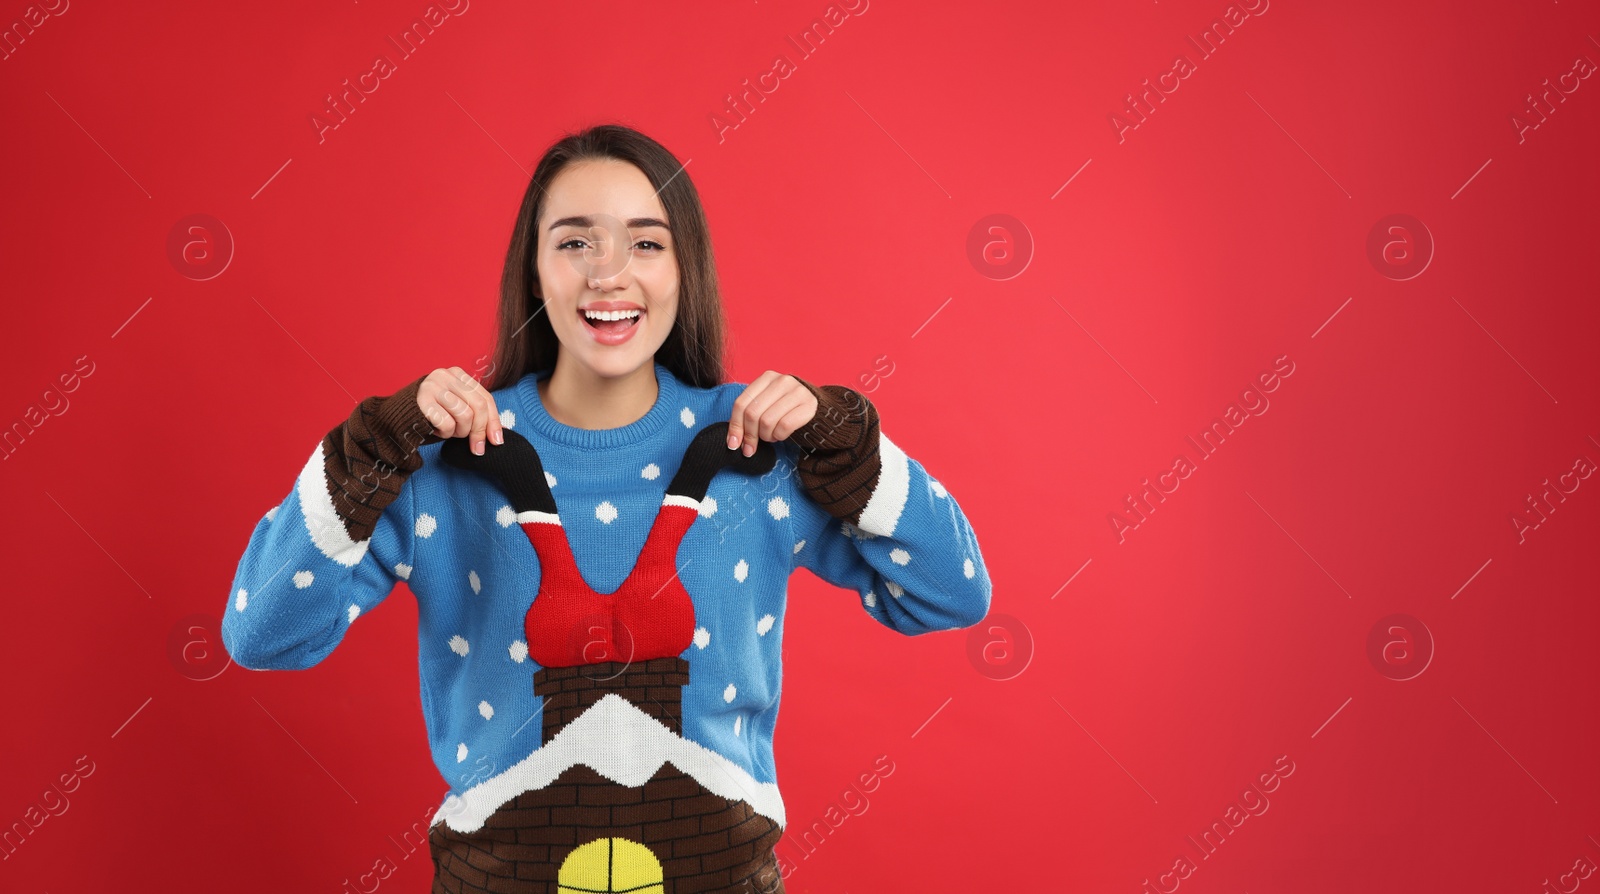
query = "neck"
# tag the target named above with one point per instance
(578, 396)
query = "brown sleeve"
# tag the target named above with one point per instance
(369, 456)
(838, 460)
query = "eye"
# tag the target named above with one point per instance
(574, 241)
(650, 244)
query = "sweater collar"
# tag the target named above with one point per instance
(641, 429)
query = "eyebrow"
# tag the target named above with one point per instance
(636, 223)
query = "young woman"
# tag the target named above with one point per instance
(599, 536)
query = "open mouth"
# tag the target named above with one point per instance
(611, 321)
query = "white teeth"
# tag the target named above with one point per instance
(610, 314)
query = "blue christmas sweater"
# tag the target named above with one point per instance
(600, 615)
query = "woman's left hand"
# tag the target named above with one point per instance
(771, 408)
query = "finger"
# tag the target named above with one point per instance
(430, 409)
(782, 397)
(460, 411)
(477, 403)
(465, 385)
(480, 429)
(752, 417)
(736, 421)
(496, 432)
(784, 404)
(486, 413)
(792, 421)
(428, 394)
(444, 426)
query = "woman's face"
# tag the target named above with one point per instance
(604, 244)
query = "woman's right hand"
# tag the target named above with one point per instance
(458, 406)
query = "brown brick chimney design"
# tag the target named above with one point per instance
(584, 832)
(655, 686)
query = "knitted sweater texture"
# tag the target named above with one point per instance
(601, 615)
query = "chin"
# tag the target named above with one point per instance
(615, 364)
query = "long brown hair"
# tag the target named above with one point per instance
(694, 348)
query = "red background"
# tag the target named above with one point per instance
(1231, 228)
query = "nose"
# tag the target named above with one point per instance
(606, 260)
(603, 283)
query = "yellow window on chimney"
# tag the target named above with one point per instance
(611, 865)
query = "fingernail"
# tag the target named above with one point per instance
(477, 447)
(733, 440)
(749, 450)
(498, 437)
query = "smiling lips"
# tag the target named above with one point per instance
(611, 323)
